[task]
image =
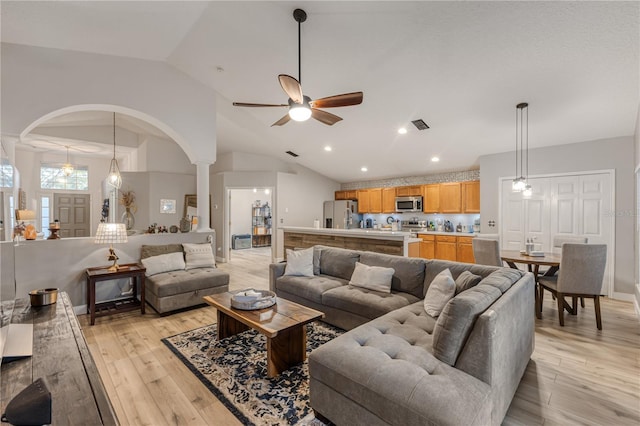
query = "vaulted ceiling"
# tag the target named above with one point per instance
(460, 66)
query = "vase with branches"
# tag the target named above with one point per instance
(128, 200)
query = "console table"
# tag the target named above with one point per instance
(61, 356)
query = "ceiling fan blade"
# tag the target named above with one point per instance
(291, 87)
(325, 117)
(284, 120)
(346, 99)
(244, 104)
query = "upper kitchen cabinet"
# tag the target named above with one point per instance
(363, 201)
(389, 200)
(409, 191)
(450, 197)
(431, 198)
(347, 195)
(375, 200)
(471, 197)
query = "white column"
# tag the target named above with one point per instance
(202, 186)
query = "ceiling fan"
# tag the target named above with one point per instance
(302, 107)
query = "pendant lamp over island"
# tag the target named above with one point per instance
(114, 178)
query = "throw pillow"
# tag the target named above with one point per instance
(374, 278)
(299, 262)
(198, 256)
(163, 263)
(441, 290)
(466, 280)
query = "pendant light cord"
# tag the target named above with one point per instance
(299, 55)
(114, 135)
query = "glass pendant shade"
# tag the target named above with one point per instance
(114, 178)
(520, 184)
(67, 168)
(527, 191)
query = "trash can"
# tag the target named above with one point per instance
(240, 241)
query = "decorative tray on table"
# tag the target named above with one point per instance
(250, 299)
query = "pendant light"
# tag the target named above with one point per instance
(67, 168)
(114, 179)
(520, 184)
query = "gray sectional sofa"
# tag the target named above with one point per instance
(399, 366)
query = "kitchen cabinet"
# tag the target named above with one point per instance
(446, 247)
(347, 195)
(388, 200)
(450, 197)
(375, 200)
(414, 249)
(409, 191)
(431, 198)
(363, 201)
(471, 197)
(427, 246)
(465, 250)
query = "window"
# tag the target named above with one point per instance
(6, 174)
(45, 214)
(51, 177)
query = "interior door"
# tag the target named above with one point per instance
(72, 210)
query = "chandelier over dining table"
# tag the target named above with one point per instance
(520, 183)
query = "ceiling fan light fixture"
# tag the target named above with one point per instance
(300, 112)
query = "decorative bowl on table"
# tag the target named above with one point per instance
(250, 299)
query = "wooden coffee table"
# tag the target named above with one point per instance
(284, 325)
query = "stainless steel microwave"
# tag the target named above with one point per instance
(408, 204)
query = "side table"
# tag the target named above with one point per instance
(101, 273)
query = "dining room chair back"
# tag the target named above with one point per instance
(486, 251)
(559, 240)
(581, 274)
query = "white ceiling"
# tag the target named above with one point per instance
(460, 66)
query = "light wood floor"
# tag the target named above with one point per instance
(577, 374)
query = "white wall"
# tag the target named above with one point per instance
(242, 201)
(615, 153)
(163, 155)
(637, 233)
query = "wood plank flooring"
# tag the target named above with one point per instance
(577, 375)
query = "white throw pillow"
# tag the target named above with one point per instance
(441, 290)
(163, 263)
(299, 262)
(198, 256)
(372, 277)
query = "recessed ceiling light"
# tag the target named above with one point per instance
(327, 148)
(363, 169)
(435, 159)
(402, 131)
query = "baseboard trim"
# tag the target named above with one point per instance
(636, 301)
(625, 297)
(80, 310)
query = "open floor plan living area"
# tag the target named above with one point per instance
(319, 213)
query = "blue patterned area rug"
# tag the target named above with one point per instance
(235, 371)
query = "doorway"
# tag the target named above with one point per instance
(249, 230)
(72, 210)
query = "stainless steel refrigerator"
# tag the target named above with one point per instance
(341, 214)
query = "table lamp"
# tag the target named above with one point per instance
(110, 233)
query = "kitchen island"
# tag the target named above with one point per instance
(379, 241)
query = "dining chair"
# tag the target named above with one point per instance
(558, 241)
(486, 251)
(581, 274)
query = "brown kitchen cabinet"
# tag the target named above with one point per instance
(450, 197)
(414, 249)
(408, 191)
(471, 197)
(375, 200)
(427, 246)
(431, 198)
(446, 247)
(363, 201)
(347, 195)
(388, 200)
(465, 250)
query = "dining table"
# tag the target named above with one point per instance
(552, 260)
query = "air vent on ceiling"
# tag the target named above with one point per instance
(291, 153)
(420, 124)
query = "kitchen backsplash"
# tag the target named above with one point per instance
(463, 219)
(463, 176)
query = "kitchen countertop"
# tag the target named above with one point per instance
(456, 234)
(356, 232)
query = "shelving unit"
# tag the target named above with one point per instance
(261, 229)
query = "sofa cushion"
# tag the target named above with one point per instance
(409, 272)
(372, 277)
(155, 250)
(366, 303)
(198, 256)
(176, 282)
(338, 262)
(503, 278)
(299, 262)
(310, 288)
(163, 263)
(434, 267)
(466, 280)
(441, 290)
(457, 320)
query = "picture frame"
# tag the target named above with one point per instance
(167, 206)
